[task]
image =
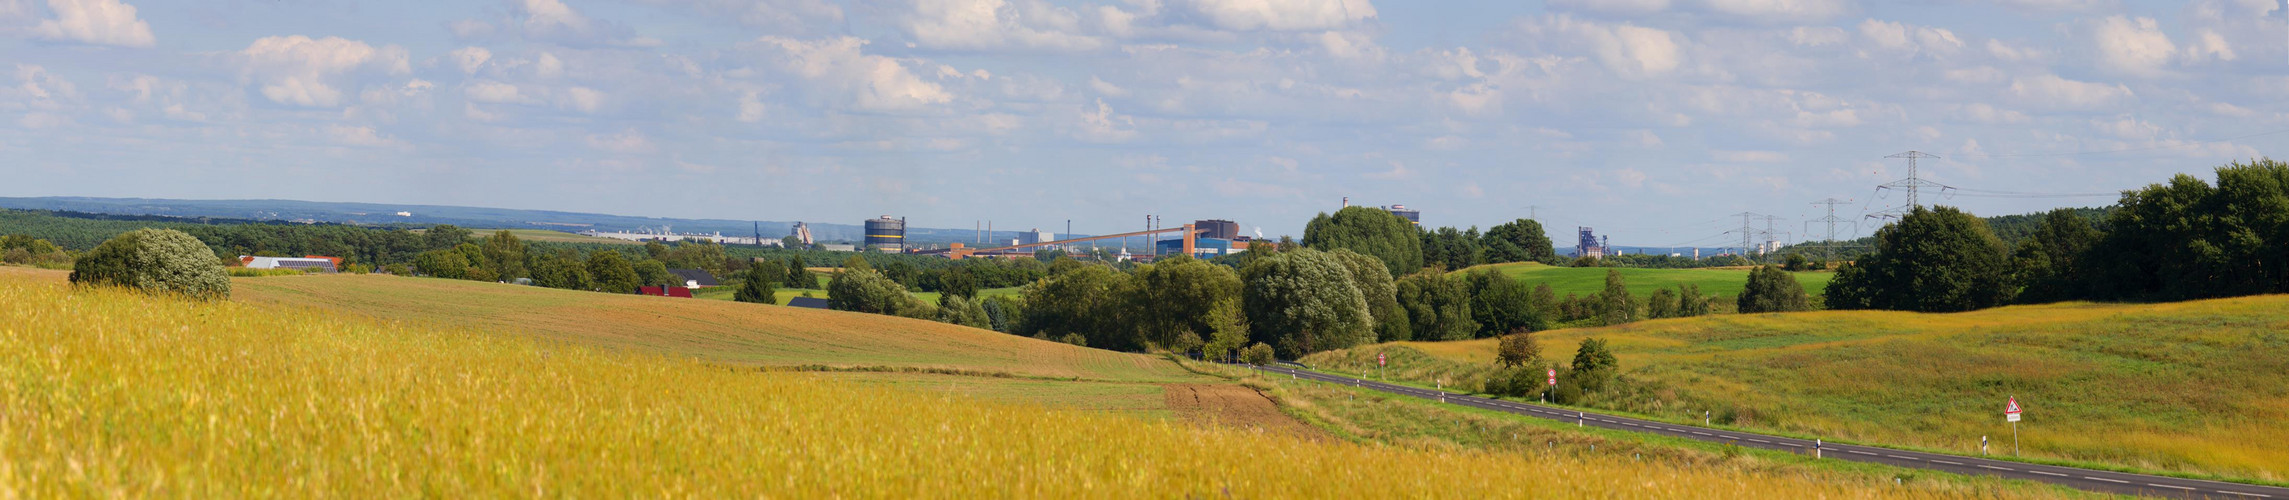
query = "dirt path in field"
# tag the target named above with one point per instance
(1234, 406)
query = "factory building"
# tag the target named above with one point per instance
(1411, 215)
(886, 234)
(1035, 236)
(1202, 247)
(1216, 228)
(1588, 245)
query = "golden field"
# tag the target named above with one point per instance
(112, 393)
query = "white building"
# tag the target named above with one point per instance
(1035, 236)
(252, 262)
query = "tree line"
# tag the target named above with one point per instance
(2185, 239)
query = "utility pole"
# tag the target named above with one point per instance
(1770, 239)
(1913, 185)
(1828, 252)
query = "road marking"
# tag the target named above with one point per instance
(1903, 458)
(2169, 486)
(2046, 473)
(1860, 452)
(1937, 461)
(1760, 441)
(2107, 480)
(1701, 433)
(1729, 437)
(1631, 424)
(1985, 466)
(2258, 495)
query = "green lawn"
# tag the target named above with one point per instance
(1583, 281)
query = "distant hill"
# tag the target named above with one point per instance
(424, 215)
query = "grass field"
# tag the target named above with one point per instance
(2191, 387)
(117, 394)
(714, 330)
(1583, 281)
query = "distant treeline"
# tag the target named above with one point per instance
(2186, 239)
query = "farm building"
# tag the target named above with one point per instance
(810, 302)
(695, 278)
(319, 262)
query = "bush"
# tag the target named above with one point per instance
(1772, 290)
(157, 261)
(1259, 354)
(1075, 339)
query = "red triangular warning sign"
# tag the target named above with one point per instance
(2014, 407)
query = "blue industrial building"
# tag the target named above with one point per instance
(1201, 247)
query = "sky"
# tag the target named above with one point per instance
(1647, 119)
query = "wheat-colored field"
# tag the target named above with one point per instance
(1584, 281)
(710, 329)
(2198, 387)
(115, 394)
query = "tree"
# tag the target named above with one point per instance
(1438, 306)
(611, 272)
(856, 262)
(1371, 232)
(1520, 240)
(1304, 301)
(791, 242)
(708, 257)
(444, 236)
(957, 282)
(799, 276)
(1932, 260)
(1690, 302)
(864, 290)
(1615, 306)
(1796, 262)
(443, 263)
(1258, 355)
(1229, 331)
(159, 261)
(959, 310)
(1449, 249)
(24, 249)
(1179, 295)
(2047, 266)
(1662, 304)
(506, 255)
(1502, 305)
(1518, 349)
(562, 270)
(1771, 289)
(1593, 363)
(1092, 301)
(768, 270)
(1381, 293)
(1546, 303)
(757, 287)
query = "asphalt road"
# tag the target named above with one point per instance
(2086, 479)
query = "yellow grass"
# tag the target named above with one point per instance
(114, 394)
(2198, 387)
(716, 330)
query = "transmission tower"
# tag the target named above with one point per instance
(1770, 239)
(1748, 232)
(1828, 252)
(1912, 185)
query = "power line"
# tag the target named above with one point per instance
(1913, 185)
(1828, 251)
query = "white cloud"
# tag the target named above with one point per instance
(360, 136)
(582, 99)
(1282, 15)
(995, 24)
(2210, 46)
(751, 108)
(1620, 7)
(1106, 88)
(469, 59)
(842, 71)
(2008, 52)
(1818, 36)
(98, 22)
(494, 92)
(628, 141)
(1778, 10)
(2127, 127)
(1752, 156)
(2061, 93)
(775, 16)
(548, 67)
(1626, 50)
(40, 84)
(1896, 37)
(2132, 47)
(301, 71)
(1980, 112)
(1102, 125)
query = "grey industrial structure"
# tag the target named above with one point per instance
(886, 234)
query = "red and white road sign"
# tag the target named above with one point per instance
(1553, 377)
(2011, 411)
(1379, 360)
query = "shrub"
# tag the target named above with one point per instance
(1259, 354)
(1075, 339)
(1518, 349)
(158, 261)
(1772, 290)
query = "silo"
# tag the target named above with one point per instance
(886, 234)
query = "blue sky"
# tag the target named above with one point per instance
(1649, 119)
